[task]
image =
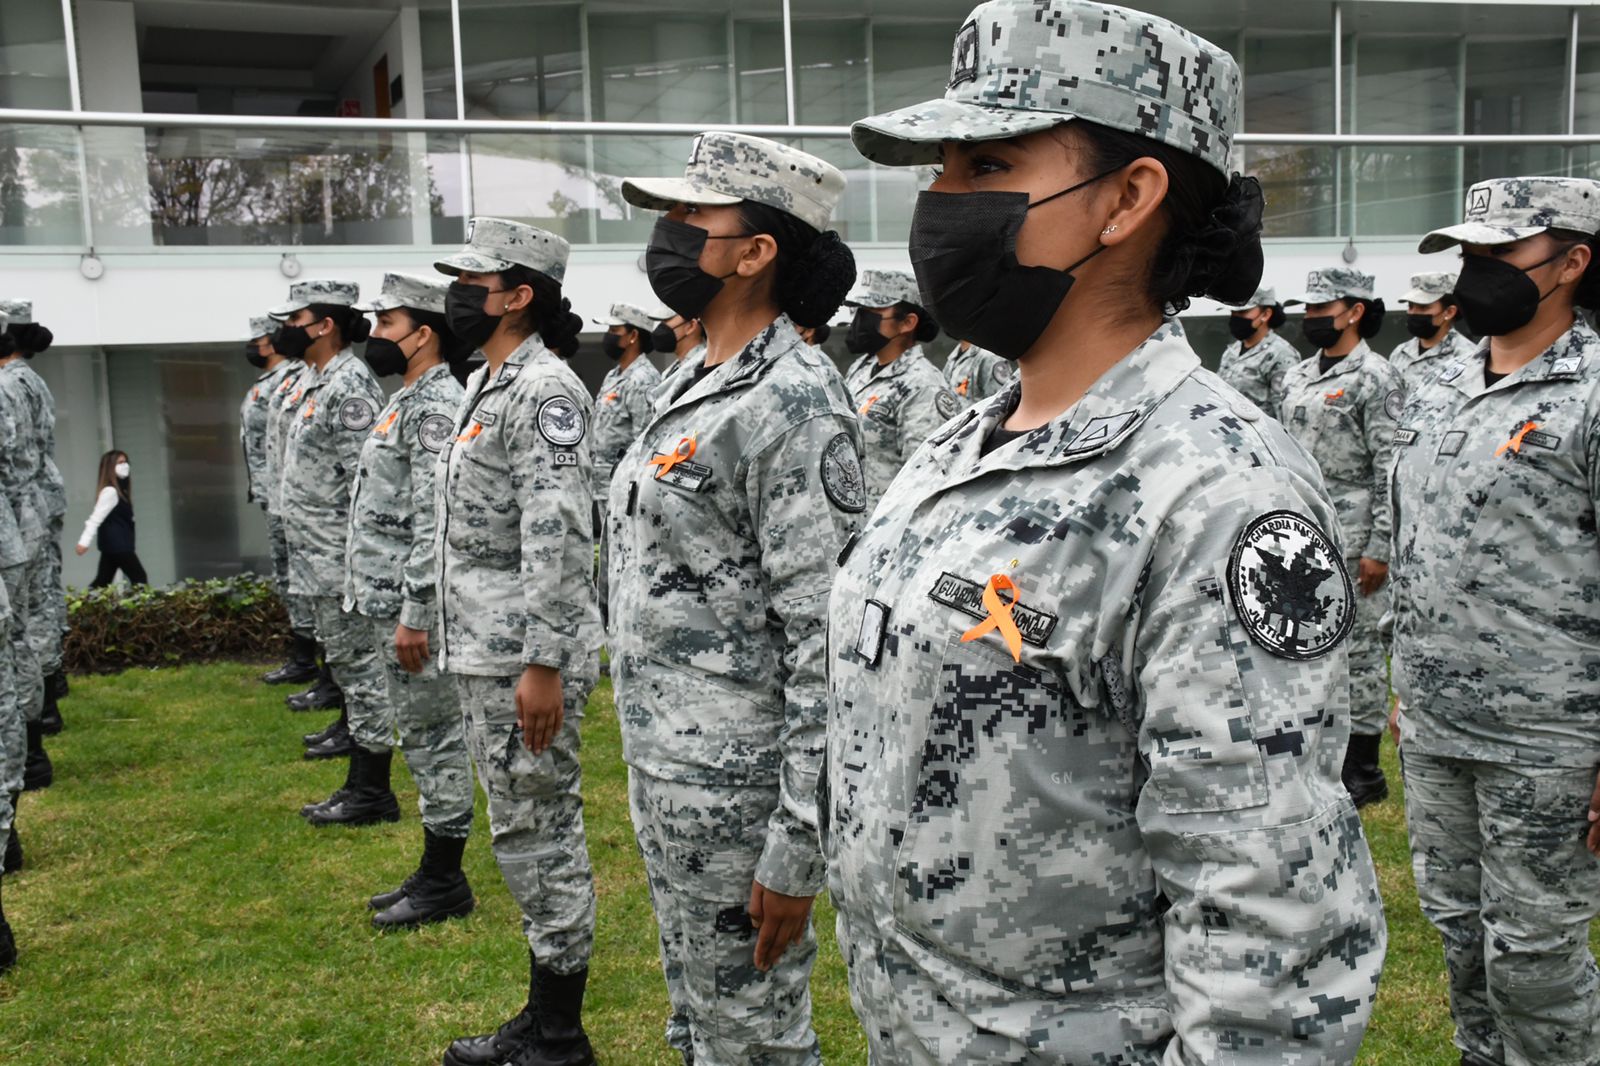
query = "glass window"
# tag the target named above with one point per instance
(1288, 88)
(439, 62)
(40, 201)
(520, 62)
(1515, 87)
(75, 377)
(33, 55)
(1404, 85)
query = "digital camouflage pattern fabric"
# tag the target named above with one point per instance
(1416, 365)
(432, 735)
(879, 289)
(1259, 372)
(254, 414)
(728, 168)
(974, 374)
(1020, 67)
(496, 244)
(900, 406)
(1346, 419)
(1335, 283)
(330, 291)
(1429, 286)
(622, 408)
(1087, 717)
(1508, 209)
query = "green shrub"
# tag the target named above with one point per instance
(114, 628)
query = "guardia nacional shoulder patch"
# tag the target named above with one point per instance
(842, 477)
(560, 422)
(434, 431)
(945, 402)
(1290, 588)
(356, 413)
(1394, 403)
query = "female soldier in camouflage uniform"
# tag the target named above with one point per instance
(899, 396)
(726, 517)
(974, 374)
(1342, 405)
(338, 404)
(1086, 674)
(390, 581)
(1496, 491)
(1431, 321)
(1258, 359)
(519, 623)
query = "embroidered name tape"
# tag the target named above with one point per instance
(967, 597)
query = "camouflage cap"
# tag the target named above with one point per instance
(628, 315)
(1264, 297)
(1426, 288)
(317, 291)
(884, 288)
(17, 312)
(1509, 209)
(408, 290)
(1335, 283)
(261, 327)
(1020, 66)
(496, 244)
(729, 168)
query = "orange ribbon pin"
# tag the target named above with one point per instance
(311, 408)
(870, 401)
(999, 615)
(477, 427)
(387, 424)
(961, 389)
(1332, 396)
(611, 397)
(681, 454)
(1515, 443)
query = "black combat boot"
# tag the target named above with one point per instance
(301, 665)
(37, 771)
(351, 774)
(367, 799)
(437, 891)
(57, 683)
(1363, 777)
(493, 1049)
(8, 943)
(338, 745)
(12, 863)
(561, 1040)
(324, 695)
(50, 721)
(332, 729)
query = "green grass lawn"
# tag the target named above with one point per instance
(176, 906)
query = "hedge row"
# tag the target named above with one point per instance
(196, 621)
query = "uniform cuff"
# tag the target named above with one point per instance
(417, 615)
(792, 863)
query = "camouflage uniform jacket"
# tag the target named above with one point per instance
(1346, 419)
(1497, 561)
(1133, 840)
(719, 573)
(976, 374)
(514, 534)
(52, 489)
(253, 414)
(693, 356)
(623, 406)
(323, 445)
(390, 567)
(282, 407)
(21, 462)
(900, 406)
(1417, 366)
(1259, 373)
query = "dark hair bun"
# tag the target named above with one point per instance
(1221, 258)
(647, 340)
(359, 329)
(1588, 292)
(1371, 319)
(557, 326)
(31, 337)
(1277, 318)
(817, 282)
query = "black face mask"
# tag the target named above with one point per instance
(464, 311)
(1320, 330)
(1498, 298)
(1421, 326)
(386, 357)
(291, 342)
(964, 251)
(254, 357)
(1241, 328)
(611, 344)
(672, 262)
(863, 338)
(664, 338)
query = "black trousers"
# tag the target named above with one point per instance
(111, 562)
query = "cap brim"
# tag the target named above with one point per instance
(1313, 298)
(472, 263)
(285, 310)
(659, 194)
(1475, 233)
(911, 136)
(608, 322)
(1418, 296)
(378, 303)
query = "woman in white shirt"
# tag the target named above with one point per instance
(112, 518)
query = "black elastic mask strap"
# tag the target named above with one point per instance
(1546, 262)
(1075, 188)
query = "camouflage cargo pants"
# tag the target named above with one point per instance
(432, 737)
(357, 669)
(22, 582)
(700, 846)
(301, 617)
(13, 739)
(1502, 873)
(535, 816)
(1369, 668)
(49, 604)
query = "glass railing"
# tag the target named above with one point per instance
(180, 181)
